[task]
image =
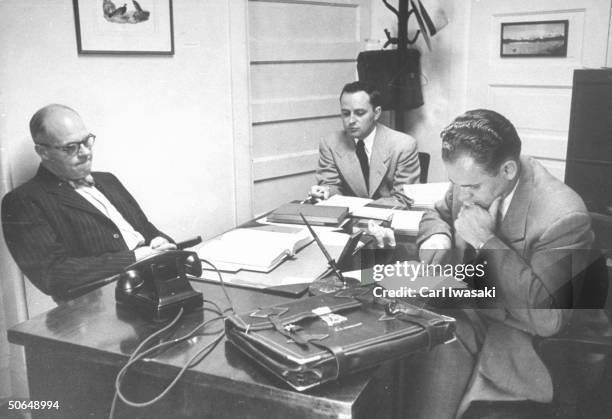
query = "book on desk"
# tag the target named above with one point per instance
(362, 210)
(258, 249)
(315, 214)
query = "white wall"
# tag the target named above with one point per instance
(164, 124)
(444, 71)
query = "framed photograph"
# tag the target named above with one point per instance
(124, 26)
(534, 39)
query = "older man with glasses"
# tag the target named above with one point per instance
(67, 226)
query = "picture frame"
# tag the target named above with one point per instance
(128, 27)
(534, 39)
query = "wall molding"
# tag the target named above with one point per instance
(241, 120)
(272, 167)
(272, 110)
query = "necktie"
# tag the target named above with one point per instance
(86, 181)
(363, 161)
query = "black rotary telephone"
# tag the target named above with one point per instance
(158, 286)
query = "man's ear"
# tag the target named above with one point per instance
(510, 169)
(42, 152)
(377, 112)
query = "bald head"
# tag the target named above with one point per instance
(50, 118)
(54, 128)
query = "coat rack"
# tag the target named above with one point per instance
(403, 15)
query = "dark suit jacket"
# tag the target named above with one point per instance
(534, 260)
(394, 162)
(60, 241)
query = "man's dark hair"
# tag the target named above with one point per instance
(486, 136)
(362, 86)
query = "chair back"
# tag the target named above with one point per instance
(424, 163)
(594, 293)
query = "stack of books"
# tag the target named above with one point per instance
(317, 215)
(425, 195)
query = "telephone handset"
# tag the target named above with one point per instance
(158, 286)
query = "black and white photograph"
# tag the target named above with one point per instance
(390, 209)
(137, 27)
(534, 39)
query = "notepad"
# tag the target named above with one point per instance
(254, 249)
(315, 214)
(425, 195)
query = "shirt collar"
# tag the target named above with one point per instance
(84, 182)
(368, 141)
(505, 204)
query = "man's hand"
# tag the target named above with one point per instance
(160, 244)
(384, 236)
(477, 225)
(436, 249)
(319, 192)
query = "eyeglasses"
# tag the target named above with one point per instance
(73, 148)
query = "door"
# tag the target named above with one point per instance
(301, 54)
(534, 92)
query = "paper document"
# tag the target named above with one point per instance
(407, 222)
(425, 195)
(374, 213)
(352, 202)
(403, 222)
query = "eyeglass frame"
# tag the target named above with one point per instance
(65, 148)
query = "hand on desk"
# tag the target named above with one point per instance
(384, 236)
(157, 245)
(436, 249)
(319, 192)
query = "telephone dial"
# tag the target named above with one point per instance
(158, 286)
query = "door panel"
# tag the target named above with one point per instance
(534, 92)
(301, 54)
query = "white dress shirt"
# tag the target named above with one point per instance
(132, 238)
(505, 204)
(368, 143)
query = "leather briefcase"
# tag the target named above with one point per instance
(317, 339)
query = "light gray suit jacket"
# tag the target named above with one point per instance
(534, 260)
(394, 162)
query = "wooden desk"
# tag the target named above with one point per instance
(74, 352)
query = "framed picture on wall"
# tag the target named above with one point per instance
(124, 26)
(534, 39)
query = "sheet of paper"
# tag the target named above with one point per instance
(425, 195)
(332, 238)
(352, 202)
(407, 221)
(373, 212)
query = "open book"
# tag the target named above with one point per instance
(258, 249)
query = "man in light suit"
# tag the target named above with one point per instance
(532, 232)
(68, 227)
(366, 159)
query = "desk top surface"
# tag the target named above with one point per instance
(94, 327)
